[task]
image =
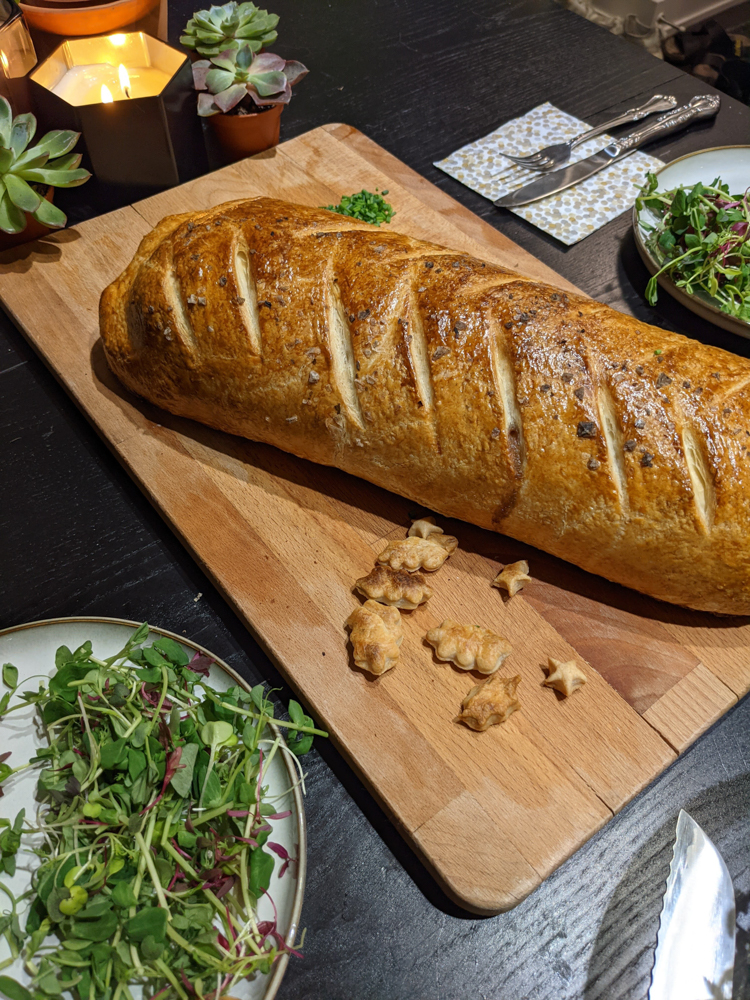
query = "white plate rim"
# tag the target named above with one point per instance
(698, 306)
(277, 975)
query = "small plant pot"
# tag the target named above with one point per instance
(244, 135)
(34, 230)
(95, 19)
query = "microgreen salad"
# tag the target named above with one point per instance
(152, 828)
(700, 238)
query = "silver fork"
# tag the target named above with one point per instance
(553, 156)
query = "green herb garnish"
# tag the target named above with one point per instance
(701, 239)
(366, 206)
(154, 821)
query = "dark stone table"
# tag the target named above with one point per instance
(77, 537)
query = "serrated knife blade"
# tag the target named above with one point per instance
(694, 957)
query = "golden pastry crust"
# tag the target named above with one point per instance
(376, 634)
(489, 703)
(413, 553)
(423, 527)
(469, 647)
(476, 392)
(395, 587)
(564, 677)
(513, 577)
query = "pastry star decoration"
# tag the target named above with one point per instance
(490, 703)
(513, 577)
(423, 527)
(564, 677)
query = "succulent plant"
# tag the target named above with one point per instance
(24, 170)
(237, 73)
(212, 31)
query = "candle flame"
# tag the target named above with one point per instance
(118, 39)
(124, 79)
(107, 97)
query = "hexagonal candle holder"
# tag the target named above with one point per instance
(131, 96)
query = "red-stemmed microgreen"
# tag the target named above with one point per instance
(701, 239)
(155, 816)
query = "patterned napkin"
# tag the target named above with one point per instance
(569, 215)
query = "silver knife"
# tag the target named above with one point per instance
(557, 180)
(695, 949)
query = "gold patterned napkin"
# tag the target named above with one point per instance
(569, 215)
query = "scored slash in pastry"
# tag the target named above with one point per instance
(376, 635)
(513, 577)
(564, 677)
(489, 703)
(413, 553)
(423, 527)
(469, 646)
(394, 587)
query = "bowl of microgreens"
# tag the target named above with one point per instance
(692, 230)
(153, 841)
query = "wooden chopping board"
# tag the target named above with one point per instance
(491, 814)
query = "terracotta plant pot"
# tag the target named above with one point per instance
(34, 230)
(243, 135)
(97, 19)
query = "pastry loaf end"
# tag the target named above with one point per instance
(473, 390)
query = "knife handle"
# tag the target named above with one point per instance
(658, 102)
(699, 107)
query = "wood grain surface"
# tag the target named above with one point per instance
(285, 541)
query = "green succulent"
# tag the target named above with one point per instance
(24, 170)
(219, 28)
(236, 74)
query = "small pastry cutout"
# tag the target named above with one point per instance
(394, 587)
(489, 703)
(513, 577)
(469, 647)
(376, 634)
(423, 527)
(413, 553)
(564, 677)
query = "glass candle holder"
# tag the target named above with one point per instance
(17, 55)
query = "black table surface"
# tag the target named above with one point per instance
(78, 538)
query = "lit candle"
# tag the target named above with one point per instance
(85, 84)
(82, 85)
(124, 80)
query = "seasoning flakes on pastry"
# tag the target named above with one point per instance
(489, 703)
(423, 527)
(376, 634)
(413, 553)
(395, 587)
(564, 677)
(469, 647)
(513, 577)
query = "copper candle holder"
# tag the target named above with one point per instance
(131, 96)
